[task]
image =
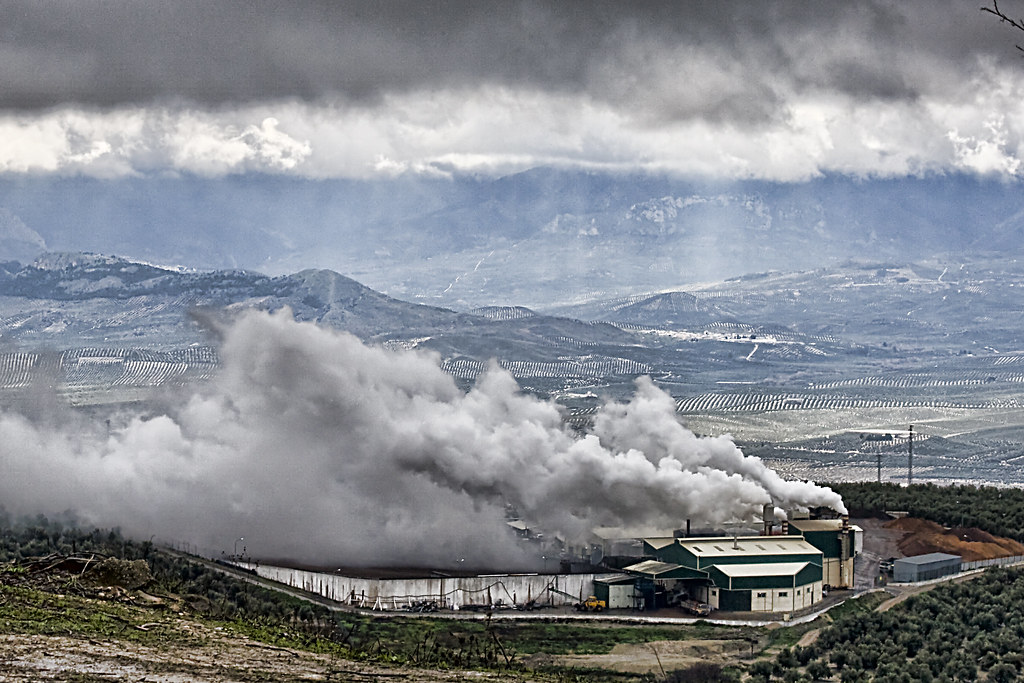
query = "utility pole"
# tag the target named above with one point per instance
(910, 457)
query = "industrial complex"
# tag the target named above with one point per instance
(784, 568)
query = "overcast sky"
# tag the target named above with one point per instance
(780, 90)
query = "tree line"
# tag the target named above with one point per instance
(998, 511)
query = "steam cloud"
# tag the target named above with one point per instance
(313, 446)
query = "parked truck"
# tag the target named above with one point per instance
(681, 599)
(701, 609)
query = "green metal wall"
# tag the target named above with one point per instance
(830, 543)
(733, 601)
(809, 574)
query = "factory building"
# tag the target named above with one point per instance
(925, 567)
(838, 541)
(745, 573)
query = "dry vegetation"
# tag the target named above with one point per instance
(971, 544)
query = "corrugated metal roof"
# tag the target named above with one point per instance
(653, 567)
(748, 546)
(929, 558)
(661, 571)
(766, 569)
(817, 524)
(614, 579)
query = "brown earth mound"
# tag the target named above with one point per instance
(971, 544)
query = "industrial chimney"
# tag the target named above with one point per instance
(768, 516)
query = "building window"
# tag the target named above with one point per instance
(783, 594)
(714, 591)
(762, 595)
(798, 591)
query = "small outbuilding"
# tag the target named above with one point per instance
(925, 567)
(617, 590)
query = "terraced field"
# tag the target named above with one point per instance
(569, 369)
(81, 373)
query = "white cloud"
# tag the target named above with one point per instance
(976, 127)
(986, 155)
(136, 140)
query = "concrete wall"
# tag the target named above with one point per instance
(785, 599)
(772, 599)
(447, 591)
(709, 595)
(836, 575)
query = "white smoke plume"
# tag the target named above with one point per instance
(312, 446)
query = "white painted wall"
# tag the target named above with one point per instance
(710, 596)
(447, 591)
(785, 599)
(831, 574)
(621, 596)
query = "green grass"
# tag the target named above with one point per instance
(32, 612)
(525, 637)
(432, 643)
(861, 604)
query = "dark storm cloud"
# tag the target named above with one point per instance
(669, 60)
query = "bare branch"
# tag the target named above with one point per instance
(1016, 23)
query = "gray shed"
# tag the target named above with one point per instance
(925, 567)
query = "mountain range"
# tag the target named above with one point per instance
(793, 364)
(540, 238)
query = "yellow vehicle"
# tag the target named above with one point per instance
(592, 604)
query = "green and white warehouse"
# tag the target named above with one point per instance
(742, 574)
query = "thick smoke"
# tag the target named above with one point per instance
(313, 446)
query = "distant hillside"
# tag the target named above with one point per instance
(794, 364)
(85, 307)
(540, 238)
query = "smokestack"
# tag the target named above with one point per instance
(687, 528)
(844, 551)
(768, 517)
